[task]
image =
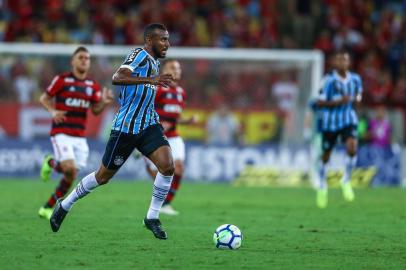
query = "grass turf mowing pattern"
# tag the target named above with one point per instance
(282, 229)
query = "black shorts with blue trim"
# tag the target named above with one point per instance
(329, 138)
(121, 145)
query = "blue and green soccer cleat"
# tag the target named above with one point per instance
(46, 169)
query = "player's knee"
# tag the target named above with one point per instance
(352, 152)
(352, 149)
(178, 172)
(167, 168)
(70, 172)
(325, 157)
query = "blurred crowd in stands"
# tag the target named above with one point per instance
(374, 31)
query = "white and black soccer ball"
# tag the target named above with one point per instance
(227, 236)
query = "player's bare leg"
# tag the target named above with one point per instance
(85, 186)
(350, 162)
(162, 159)
(68, 168)
(322, 191)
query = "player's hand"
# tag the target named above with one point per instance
(345, 99)
(107, 96)
(166, 125)
(58, 116)
(164, 80)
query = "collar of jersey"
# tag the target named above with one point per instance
(341, 79)
(76, 78)
(155, 60)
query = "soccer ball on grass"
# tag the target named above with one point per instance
(227, 236)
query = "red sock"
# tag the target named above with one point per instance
(56, 165)
(60, 191)
(174, 187)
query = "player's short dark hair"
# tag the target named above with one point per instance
(341, 52)
(150, 28)
(80, 49)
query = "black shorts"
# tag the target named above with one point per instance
(121, 145)
(329, 139)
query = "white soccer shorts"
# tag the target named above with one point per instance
(70, 148)
(178, 151)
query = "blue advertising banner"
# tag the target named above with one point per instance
(20, 158)
(386, 160)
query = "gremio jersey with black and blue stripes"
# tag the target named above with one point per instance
(334, 88)
(136, 111)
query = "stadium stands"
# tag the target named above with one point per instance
(374, 31)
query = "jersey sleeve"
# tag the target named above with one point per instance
(97, 93)
(55, 86)
(325, 89)
(134, 59)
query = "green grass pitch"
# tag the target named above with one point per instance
(282, 229)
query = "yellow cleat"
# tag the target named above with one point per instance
(46, 170)
(322, 198)
(44, 212)
(348, 193)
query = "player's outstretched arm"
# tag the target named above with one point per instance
(123, 76)
(333, 103)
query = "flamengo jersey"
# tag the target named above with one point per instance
(169, 104)
(75, 97)
(334, 88)
(136, 111)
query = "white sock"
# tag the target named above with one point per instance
(349, 166)
(322, 175)
(85, 186)
(162, 184)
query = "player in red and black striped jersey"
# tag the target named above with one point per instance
(73, 97)
(169, 104)
(68, 98)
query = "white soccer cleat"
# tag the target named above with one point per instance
(168, 210)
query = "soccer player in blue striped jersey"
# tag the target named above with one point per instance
(340, 92)
(136, 125)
